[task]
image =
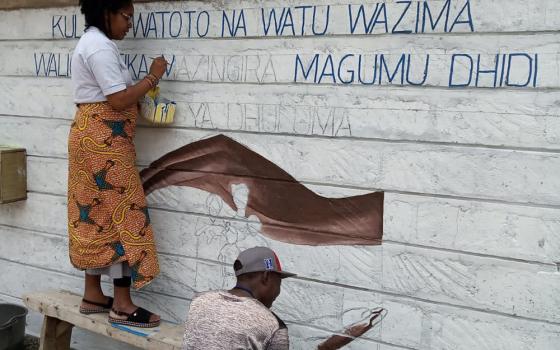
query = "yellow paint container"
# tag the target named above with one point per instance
(157, 110)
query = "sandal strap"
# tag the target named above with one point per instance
(120, 313)
(106, 305)
(140, 315)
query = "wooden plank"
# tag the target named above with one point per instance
(171, 19)
(521, 118)
(56, 334)
(65, 305)
(81, 339)
(170, 308)
(525, 62)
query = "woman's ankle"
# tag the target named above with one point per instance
(92, 288)
(95, 296)
(124, 306)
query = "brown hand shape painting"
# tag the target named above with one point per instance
(288, 211)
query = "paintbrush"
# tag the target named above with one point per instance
(153, 58)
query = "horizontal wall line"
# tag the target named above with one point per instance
(371, 139)
(373, 340)
(474, 113)
(350, 86)
(481, 255)
(428, 301)
(435, 35)
(375, 189)
(448, 250)
(10, 296)
(321, 137)
(476, 199)
(238, 220)
(388, 87)
(235, 219)
(345, 86)
(63, 236)
(341, 285)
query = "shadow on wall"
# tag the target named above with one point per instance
(288, 211)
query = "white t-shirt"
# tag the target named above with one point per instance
(97, 68)
(219, 320)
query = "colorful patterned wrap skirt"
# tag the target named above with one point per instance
(108, 220)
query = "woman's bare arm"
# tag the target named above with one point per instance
(130, 96)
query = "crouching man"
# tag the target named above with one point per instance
(240, 318)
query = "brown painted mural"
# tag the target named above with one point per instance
(288, 211)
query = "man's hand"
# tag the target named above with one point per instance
(356, 331)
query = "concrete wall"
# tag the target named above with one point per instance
(19, 4)
(468, 159)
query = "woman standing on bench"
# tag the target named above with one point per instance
(108, 221)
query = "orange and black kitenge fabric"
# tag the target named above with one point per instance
(108, 220)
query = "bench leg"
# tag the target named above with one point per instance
(55, 334)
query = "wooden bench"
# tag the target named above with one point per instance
(61, 310)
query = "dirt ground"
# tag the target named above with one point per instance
(31, 343)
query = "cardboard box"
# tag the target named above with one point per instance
(13, 174)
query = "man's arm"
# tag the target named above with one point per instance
(338, 341)
(279, 340)
(356, 331)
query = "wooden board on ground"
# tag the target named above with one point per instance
(64, 306)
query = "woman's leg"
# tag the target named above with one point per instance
(93, 291)
(123, 301)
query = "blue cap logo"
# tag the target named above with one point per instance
(268, 264)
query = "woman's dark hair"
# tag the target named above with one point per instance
(95, 10)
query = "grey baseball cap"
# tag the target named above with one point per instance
(259, 259)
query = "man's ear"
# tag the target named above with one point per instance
(265, 277)
(107, 19)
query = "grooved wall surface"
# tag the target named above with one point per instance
(18, 4)
(452, 107)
